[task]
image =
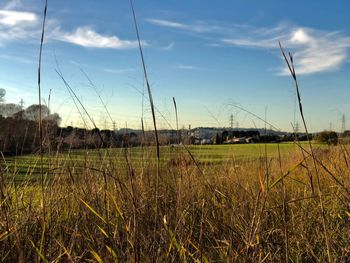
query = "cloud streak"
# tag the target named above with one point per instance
(118, 71)
(12, 4)
(167, 23)
(185, 67)
(19, 25)
(13, 18)
(168, 47)
(18, 59)
(197, 27)
(314, 50)
(89, 38)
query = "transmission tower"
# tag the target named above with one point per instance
(296, 128)
(21, 103)
(343, 119)
(231, 121)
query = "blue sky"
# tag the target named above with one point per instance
(209, 55)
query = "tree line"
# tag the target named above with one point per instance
(19, 126)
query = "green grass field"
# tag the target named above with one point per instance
(22, 166)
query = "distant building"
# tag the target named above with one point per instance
(240, 136)
(203, 133)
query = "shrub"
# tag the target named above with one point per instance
(329, 137)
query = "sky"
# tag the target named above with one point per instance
(215, 57)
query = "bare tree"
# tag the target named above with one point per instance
(33, 111)
(53, 119)
(9, 109)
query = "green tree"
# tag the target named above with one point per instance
(329, 137)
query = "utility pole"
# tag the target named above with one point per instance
(114, 126)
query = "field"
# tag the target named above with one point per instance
(203, 155)
(211, 203)
(286, 202)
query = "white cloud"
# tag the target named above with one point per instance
(313, 50)
(17, 25)
(300, 36)
(87, 37)
(14, 18)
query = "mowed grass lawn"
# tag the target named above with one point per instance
(28, 166)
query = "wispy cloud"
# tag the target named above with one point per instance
(17, 25)
(14, 93)
(215, 45)
(20, 25)
(118, 71)
(167, 23)
(13, 18)
(108, 70)
(314, 50)
(12, 4)
(168, 47)
(10, 88)
(185, 67)
(197, 26)
(17, 59)
(89, 38)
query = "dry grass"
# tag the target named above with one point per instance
(222, 213)
(179, 211)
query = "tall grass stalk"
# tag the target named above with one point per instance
(291, 68)
(146, 78)
(40, 124)
(93, 86)
(177, 122)
(309, 174)
(285, 207)
(153, 117)
(106, 205)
